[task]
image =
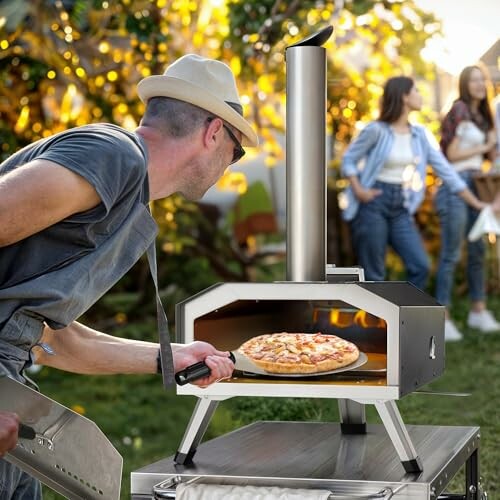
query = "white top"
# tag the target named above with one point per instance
(469, 136)
(400, 164)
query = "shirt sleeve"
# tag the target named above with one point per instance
(109, 160)
(359, 149)
(457, 114)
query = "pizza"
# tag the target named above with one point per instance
(296, 353)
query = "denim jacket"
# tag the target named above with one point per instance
(373, 145)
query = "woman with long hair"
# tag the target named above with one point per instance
(386, 165)
(468, 136)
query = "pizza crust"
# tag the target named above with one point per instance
(296, 353)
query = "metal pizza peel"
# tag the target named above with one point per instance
(61, 448)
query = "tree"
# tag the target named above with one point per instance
(64, 63)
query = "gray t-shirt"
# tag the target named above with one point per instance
(56, 274)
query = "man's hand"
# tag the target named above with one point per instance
(218, 361)
(9, 426)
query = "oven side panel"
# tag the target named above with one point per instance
(421, 346)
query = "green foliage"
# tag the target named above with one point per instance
(360, 7)
(250, 409)
(372, 41)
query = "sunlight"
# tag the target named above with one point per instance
(467, 32)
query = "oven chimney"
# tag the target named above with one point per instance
(306, 158)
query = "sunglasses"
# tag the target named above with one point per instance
(238, 151)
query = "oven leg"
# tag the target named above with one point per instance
(205, 408)
(472, 476)
(391, 418)
(352, 417)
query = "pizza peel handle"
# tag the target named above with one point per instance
(195, 372)
(26, 432)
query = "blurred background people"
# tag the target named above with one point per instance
(386, 165)
(468, 137)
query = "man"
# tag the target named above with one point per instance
(74, 219)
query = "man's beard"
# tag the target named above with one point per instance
(200, 184)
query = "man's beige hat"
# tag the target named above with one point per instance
(206, 83)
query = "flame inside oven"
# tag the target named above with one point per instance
(345, 318)
(367, 331)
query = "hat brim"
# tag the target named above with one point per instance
(168, 86)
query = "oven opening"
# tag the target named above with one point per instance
(230, 326)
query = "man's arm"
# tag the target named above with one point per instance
(9, 426)
(39, 194)
(81, 349)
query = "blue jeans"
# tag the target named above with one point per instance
(456, 220)
(16, 484)
(385, 221)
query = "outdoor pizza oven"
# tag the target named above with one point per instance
(397, 327)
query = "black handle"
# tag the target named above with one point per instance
(196, 371)
(26, 432)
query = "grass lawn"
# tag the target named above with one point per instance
(145, 423)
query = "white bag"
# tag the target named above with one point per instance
(487, 222)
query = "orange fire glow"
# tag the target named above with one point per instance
(343, 318)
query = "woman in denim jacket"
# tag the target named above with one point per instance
(468, 136)
(387, 187)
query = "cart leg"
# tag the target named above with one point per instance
(391, 418)
(205, 408)
(472, 476)
(352, 417)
